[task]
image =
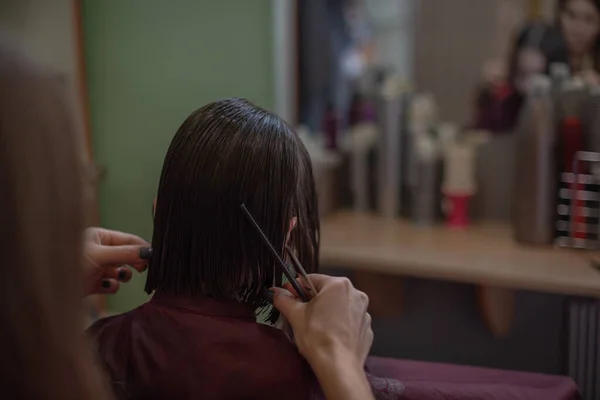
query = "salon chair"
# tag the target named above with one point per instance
(433, 381)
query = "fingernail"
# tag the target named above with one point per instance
(105, 284)
(268, 295)
(146, 253)
(122, 274)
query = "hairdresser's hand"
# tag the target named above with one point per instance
(335, 319)
(333, 332)
(107, 254)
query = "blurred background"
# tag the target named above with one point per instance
(442, 133)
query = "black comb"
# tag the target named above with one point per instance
(285, 269)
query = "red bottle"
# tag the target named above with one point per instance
(572, 142)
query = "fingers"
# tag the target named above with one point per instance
(365, 338)
(366, 326)
(364, 300)
(113, 247)
(286, 304)
(368, 343)
(140, 266)
(367, 335)
(319, 280)
(108, 286)
(120, 273)
(115, 238)
(303, 284)
(339, 284)
(129, 254)
(288, 286)
(109, 281)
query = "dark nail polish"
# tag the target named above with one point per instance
(268, 295)
(122, 274)
(105, 284)
(146, 253)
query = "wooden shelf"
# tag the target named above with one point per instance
(484, 254)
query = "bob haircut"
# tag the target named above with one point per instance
(227, 153)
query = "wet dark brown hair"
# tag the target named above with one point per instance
(228, 153)
(43, 350)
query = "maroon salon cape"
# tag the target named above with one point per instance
(185, 348)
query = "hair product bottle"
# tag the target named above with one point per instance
(362, 139)
(390, 112)
(559, 72)
(459, 181)
(591, 120)
(421, 119)
(535, 181)
(572, 102)
(425, 192)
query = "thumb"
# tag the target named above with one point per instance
(286, 304)
(106, 255)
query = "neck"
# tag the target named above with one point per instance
(205, 305)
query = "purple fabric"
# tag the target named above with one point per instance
(431, 381)
(385, 388)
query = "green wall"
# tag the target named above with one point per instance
(150, 63)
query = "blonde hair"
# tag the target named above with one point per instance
(42, 343)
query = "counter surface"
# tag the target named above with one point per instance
(483, 254)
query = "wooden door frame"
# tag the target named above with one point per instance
(80, 71)
(99, 302)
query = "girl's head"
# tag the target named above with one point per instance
(579, 21)
(228, 153)
(44, 353)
